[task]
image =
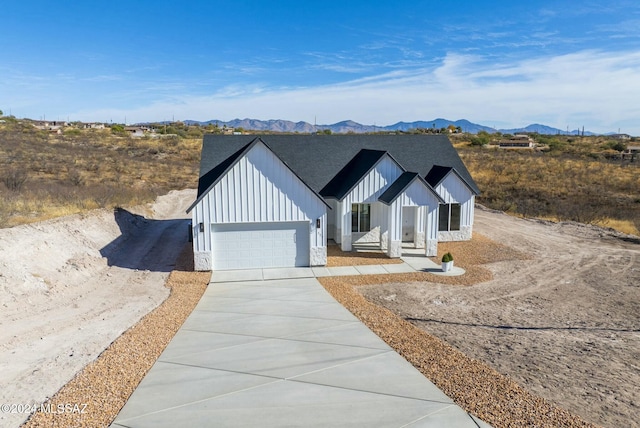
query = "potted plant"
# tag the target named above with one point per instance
(447, 262)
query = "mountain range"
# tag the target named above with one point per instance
(349, 126)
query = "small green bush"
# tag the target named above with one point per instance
(447, 258)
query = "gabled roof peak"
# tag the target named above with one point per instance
(438, 173)
(351, 174)
(211, 178)
(401, 183)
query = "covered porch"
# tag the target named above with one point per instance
(406, 212)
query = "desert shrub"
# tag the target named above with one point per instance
(14, 179)
(72, 132)
(76, 178)
(618, 146)
(118, 129)
(481, 139)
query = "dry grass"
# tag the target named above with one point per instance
(106, 384)
(473, 385)
(558, 186)
(66, 174)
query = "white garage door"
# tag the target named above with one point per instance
(260, 245)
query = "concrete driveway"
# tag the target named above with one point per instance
(278, 353)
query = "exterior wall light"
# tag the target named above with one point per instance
(201, 227)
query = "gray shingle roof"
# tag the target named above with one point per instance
(437, 173)
(316, 159)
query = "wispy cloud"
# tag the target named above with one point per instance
(592, 88)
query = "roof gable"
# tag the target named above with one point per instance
(353, 172)
(438, 173)
(209, 179)
(401, 184)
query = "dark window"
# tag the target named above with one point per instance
(454, 221)
(365, 218)
(443, 219)
(354, 217)
(360, 217)
(449, 217)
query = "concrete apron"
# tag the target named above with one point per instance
(273, 353)
(413, 261)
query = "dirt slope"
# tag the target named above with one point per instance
(70, 286)
(566, 324)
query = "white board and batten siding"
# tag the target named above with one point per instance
(367, 191)
(415, 195)
(375, 182)
(454, 191)
(259, 189)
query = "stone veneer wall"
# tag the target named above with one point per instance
(464, 234)
(365, 237)
(202, 261)
(432, 248)
(318, 256)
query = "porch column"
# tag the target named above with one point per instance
(345, 220)
(432, 232)
(419, 235)
(395, 230)
(337, 220)
(384, 227)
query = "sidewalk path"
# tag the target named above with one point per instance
(410, 264)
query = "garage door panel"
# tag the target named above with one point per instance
(260, 245)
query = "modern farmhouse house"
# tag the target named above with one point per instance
(275, 200)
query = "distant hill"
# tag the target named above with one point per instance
(348, 126)
(543, 129)
(261, 125)
(464, 124)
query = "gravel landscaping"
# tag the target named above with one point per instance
(336, 257)
(473, 385)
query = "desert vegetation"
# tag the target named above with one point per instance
(45, 175)
(571, 179)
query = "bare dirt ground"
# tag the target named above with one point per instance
(70, 286)
(565, 324)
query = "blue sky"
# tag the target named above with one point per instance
(498, 63)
